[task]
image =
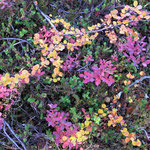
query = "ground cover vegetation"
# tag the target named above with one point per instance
(74, 74)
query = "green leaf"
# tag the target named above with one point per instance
(44, 95)
(97, 120)
(27, 127)
(104, 5)
(33, 12)
(41, 115)
(97, 9)
(40, 106)
(86, 10)
(126, 90)
(21, 34)
(22, 11)
(90, 1)
(90, 110)
(24, 139)
(31, 100)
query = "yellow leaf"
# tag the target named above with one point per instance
(7, 75)
(124, 130)
(144, 13)
(86, 132)
(57, 20)
(73, 138)
(62, 20)
(53, 75)
(86, 123)
(72, 28)
(100, 111)
(123, 11)
(87, 118)
(103, 106)
(104, 114)
(64, 138)
(56, 70)
(50, 15)
(118, 22)
(147, 17)
(142, 73)
(125, 21)
(125, 133)
(54, 80)
(135, 3)
(134, 143)
(58, 79)
(65, 42)
(90, 28)
(138, 143)
(114, 23)
(110, 123)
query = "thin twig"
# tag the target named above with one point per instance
(7, 147)
(15, 135)
(4, 129)
(146, 4)
(18, 39)
(137, 81)
(2, 143)
(98, 30)
(45, 16)
(67, 12)
(99, 5)
(94, 31)
(141, 128)
(80, 69)
(46, 138)
(89, 147)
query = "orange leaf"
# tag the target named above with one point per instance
(89, 128)
(33, 72)
(36, 67)
(36, 3)
(130, 76)
(39, 71)
(127, 140)
(26, 80)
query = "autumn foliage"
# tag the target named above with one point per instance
(76, 85)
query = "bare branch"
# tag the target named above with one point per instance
(15, 135)
(99, 5)
(137, 81)
(4, 129)
(95, 31)
(141, 128)
(81, 69)
(18, 39)
(45, 16)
